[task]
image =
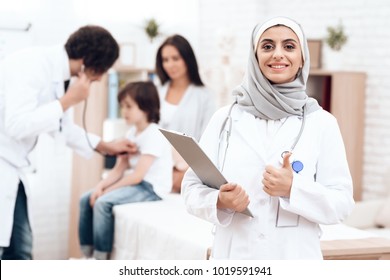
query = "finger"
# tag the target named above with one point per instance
(267, 175)
(268, 191)
(84, 77)
(81, 75)
(270, 169)
(244, 199)
(286, 161)
(228, 187)
(265, 183)
(242, 203)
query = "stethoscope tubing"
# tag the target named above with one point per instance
(228, 133)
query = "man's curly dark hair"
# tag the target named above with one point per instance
(95, 45)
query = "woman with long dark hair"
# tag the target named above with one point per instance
(186, 104)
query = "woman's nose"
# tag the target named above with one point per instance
(168, 63)
(278, 53)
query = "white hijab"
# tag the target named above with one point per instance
(275, 101)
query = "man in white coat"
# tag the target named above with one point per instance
(33, 102)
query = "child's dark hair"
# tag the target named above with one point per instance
(146, 96)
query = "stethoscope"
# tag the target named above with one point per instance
(296, 165)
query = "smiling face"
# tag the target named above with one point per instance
(279, 54)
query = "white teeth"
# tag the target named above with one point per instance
(278, 66)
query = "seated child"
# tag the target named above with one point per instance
(150, 173)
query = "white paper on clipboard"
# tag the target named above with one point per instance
(196, 158)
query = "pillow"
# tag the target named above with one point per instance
(364, 214)
(382, 219)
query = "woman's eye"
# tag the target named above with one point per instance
(267, 47)
(290, 47)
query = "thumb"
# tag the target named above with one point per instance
(286, 161)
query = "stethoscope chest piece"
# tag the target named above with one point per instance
(297, 166)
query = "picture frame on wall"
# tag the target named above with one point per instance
(315, 49)
(127, 55)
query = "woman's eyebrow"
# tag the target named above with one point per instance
(266, 40)
(284, 41)
(290, 40)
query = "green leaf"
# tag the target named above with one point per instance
(336, 37)
(152, 29)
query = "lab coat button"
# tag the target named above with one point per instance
(262, 202)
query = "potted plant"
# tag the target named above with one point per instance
(152, 29)
(336, 37)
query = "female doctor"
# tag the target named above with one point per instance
(32, 102)
(281, 153)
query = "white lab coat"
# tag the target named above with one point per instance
(321, 193)
(31, 82)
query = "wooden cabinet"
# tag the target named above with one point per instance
(343, 94)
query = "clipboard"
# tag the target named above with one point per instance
(196, 158)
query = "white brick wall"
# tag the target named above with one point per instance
(367, 23)
(368, 26)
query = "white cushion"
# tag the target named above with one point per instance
(364, 214)
(383, 216)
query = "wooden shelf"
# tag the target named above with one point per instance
(343, 94)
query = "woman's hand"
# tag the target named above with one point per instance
(278, 181)
(232, 196)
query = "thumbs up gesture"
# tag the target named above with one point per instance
(278, 181)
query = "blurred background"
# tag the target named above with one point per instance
(219, 31)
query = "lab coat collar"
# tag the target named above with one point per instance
(286, 136)
(245, 125)
(60, 68)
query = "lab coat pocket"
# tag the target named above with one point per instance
(285, 218)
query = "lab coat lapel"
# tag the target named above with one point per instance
(57, 74)
(285, 137)
(245, 125)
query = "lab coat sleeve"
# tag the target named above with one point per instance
(329, 198)
(200, 199)
(77, 138)
(24, 117)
